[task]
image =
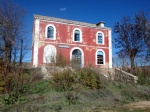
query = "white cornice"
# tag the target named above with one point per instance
(58, 20)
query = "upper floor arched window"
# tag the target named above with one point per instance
(100, 38)
(77, 35)
(50, 32)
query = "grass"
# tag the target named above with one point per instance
(80, 94)
(43, 98)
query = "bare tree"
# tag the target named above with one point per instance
(144, 25)
(131, 35)
(11, 27)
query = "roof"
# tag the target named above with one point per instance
(68, 21)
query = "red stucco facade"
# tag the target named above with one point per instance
(64, 41)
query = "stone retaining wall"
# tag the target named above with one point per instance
(123, 76)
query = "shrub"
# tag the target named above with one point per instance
(60, 60)
(143, 74)
(15, 83)
(143, 80)
(40, 87)
(72, 95)
(89, 78)
(62, 81)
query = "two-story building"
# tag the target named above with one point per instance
(83, 43)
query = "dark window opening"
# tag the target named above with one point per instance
(77, 35)
(50, 32)
(100, 38)
(100, 57)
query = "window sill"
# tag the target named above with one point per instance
(77, 41)
(100, 64)
(51, 38)
(100, 44)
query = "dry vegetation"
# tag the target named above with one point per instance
(70, 90)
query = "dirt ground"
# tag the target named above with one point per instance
(132, 106)
(141, 104)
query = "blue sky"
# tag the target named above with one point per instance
(90, 11)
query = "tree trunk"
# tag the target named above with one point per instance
(8, 54)
(21, 52)
(15, 56)
(132, 65)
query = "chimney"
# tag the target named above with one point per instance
(100, 24)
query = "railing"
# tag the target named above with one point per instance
(118, 75)
(123, 76)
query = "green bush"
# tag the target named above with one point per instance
(89, 78)
(143, 80)
(39, 87)
(62, 81)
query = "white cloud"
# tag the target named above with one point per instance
(63, 9)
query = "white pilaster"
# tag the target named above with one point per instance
(36, 41)
(110, 48)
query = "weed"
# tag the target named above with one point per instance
(72, 95)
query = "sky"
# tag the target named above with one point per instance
(90, 11)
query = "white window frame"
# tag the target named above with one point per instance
(103, 40)
(81, 52)
(74, 35)
(54, 32)
(96, 57)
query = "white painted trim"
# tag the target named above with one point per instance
(103, 40)
(81, 52)
(99, 28)
(110, 48)
(80, 35)
(54, 32)
(103, 57)
(36, 41)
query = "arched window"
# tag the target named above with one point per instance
(77, 35)
(49, 54)
(50, 32)
(100, 38)
(77, 57)
(100, 57)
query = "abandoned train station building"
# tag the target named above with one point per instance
(80, 42)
